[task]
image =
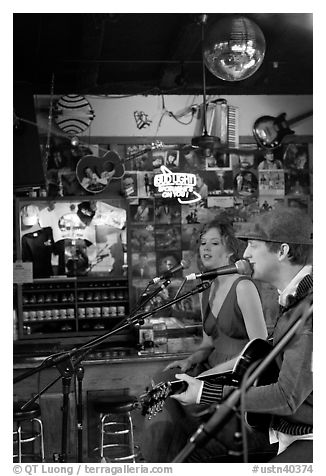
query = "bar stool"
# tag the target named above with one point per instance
(116, 422)
(28, 428)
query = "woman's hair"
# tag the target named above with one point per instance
(232, 244)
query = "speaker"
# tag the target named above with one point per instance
(27, 163)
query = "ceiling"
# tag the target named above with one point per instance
(151, 53)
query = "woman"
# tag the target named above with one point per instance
(232, 315)
(231, 308)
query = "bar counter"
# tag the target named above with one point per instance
(174, 348)
(107, 372)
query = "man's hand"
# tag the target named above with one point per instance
(190, 395)
(220, 368)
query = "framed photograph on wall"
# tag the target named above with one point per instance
(143, 211)
(142, 238)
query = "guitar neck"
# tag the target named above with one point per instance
(154, 146)
(299, 118)
(177, 386)
(138, 154)
(223, 378)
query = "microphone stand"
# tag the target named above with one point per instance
(68, 363)
(145, 298)
(79, 411)
(224, 411)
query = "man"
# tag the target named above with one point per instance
(129, 185)
(191, 159)
(201, 186)
(269, 162)
(142, 268)
(280, 252)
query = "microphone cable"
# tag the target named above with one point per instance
(180, 288)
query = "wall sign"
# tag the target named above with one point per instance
(23, 272)
(177, 185)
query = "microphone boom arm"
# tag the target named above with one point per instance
(145, 298)
(198, 289)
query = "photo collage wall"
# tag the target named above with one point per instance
(163, 232)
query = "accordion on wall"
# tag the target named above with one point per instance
(222, 121)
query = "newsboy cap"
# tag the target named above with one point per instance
(30, 215)
(283, 225)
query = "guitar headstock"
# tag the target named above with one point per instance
(153, 401)
(157, 145)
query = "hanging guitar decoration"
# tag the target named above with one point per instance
(95, 173)
(270, 131)
(73, 114)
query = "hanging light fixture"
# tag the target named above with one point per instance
(74, 141)
(234, 48)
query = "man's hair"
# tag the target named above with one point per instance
(298, 254)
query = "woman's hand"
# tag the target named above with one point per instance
(184, 365)
(189, 396)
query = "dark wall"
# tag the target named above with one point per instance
(27, 165)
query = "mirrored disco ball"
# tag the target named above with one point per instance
(234, 48)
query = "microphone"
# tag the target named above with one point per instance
(184, 264)
(240, 267)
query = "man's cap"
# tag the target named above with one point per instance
(283, 225)
(86, 212)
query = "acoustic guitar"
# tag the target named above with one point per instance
(270, 131)
(95, 173)
(152, 402)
